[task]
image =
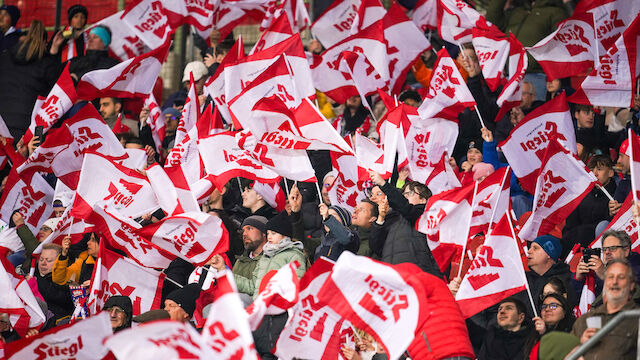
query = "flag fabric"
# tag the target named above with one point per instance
(193, 236)
(611, 18)
(10, 240)
(525, 146)
(190, 113)
(314, 126)
(370, 156)
(17, 300)
(448, 94)
(148, 21)
(114, 274)
(156, 121)
(172, 191)
(491, 201)
(33, 198)
(442, 176)
(279, 291)
(347, 190)
(227, 330)
(334, 24)
(215, 86)
(295, 10)
(60, 99)
(456, 19)
(496, 272)
(121, 188)
(279, 30)
(563, 182)
(492, 50)
(230, 13)
(272, 194)
(425, 15)
(129, 79)
(588, 295)
(80, 340)
(512, 92)
(369, 12)
(363, 76)
(124, 44)
(633, 151)
(613, 81)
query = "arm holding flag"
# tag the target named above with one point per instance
(28, 240)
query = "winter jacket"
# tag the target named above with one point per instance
(620, 343)
(537, 282)
(529, 23)
(80, 271)
(92, 60)
(288, 253)
(21, 82)
(245, 265)
(500, 344)
(338, 239)
(30, 243)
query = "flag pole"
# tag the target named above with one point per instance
(634, 186)
(319, 192)
(171, 280)
(286, 186)
(70, 226)
(464, 247)
(239, 184)
(479, 116)
(606, 193)
(526, 282)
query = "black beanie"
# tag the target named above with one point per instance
(124, 303)
(13, 11)
(281, 224)
(74, 9)
(186, 297)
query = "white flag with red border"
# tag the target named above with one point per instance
(347, 189)
(612, 18)
(587, 296)
(156, 121)
(512, 92)
(456, 19)
(492, 50)
(491, 201)
(279, 30)
(148, 21)
(17, 300)
(215, 86)
(33, 198)
(124, 45)
(172, 189)
(334, 24)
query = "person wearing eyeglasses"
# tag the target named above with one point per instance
(120, 310)
(555, 315)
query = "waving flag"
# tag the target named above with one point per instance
(512, 92)
(60, 99)
(295, 10)
(314, 126)
(613, 82)
(525, 147)
(370, 156)
(425, 15)
(193, 236)
(124, 45)
(229, 13)
(364, 77)
(155, 121)
(81, 340)
(279, 30)
(33, 198)
(563, 182)
(496, 272)
(335, 23)
(455, 21)
(491, 201)
(172, 189)
(347, 188)
(448, 93)
(18, 302)
(215, 86)
(190, 112)
(148, 21)
(587, 296)
(492, 49)
(132, 78)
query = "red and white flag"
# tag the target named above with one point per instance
(227, 330)
(156, 121)
(9, 240)
(613, 81)
(295, 10)
(114, 274)
(314, 126)
(456, 19)
(568, 51)
(33, 198)
(215, 88)
(370, 156)
(442, 176)
(103, 181)
(369, 12)
(190, 113)
(91, 133)
(563, 182)
(60, 99)
(425, 15)
(80, 340)
(196, 13)
(172, 189)
(313, 326)
(162, 339)
(334, 24)
(492, 50)
(588, 295)
(121, 234)
(278, 292)
(443, 222)
(229, 13)
(272, 194)
(611, 18)
(124, 44)
(347, 189)
(512, 92)
(132, 78)
(491, 201)
(525, 146)
(633, 151)
(193, 236)
(448, 93)
(496, 272)
(148, 21)
(17, 300)
(279, 30)
(364, 77)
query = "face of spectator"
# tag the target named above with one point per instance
(552, 311)
(376, 195)
(78, 21)
(553, 86)
(250, 198)
(613, 250)
(516, 115)
(362, 215)
(200, 85)
(58, 211)
(411, 102)
(528, 96)
(117, 316)
(508, 316)
(536, 256)
(95, 43)
(413, 197)
(274, 237)
(44, 232)
(474, 156)
(171, 122)
(623, 163)
(325, 189)
(469, 61)
(5, 20)
(108, 107)
(353, 102)
(618, 283)
(175, 311)
(93, 246)
(603, 173)
(46, 261)
(584, 118)
(252, 237)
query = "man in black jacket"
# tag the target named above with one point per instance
(9, 35)
(506, 340)
(543, 264)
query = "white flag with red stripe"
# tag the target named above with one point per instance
(613, 81)
(278, 292)
(347, 189)
(448, 93)
(193, 236)
(172, 189)
(363, 75)
(33, 198)
(17, 300)
(190, 113)
(60, 99)
(525, 147)
(369, 12)
(611, 18)
(314, 126)
(156, 121)
(114, 274)
(132, 78)
(370, 156)
(295, 10)
(492, 50)
(124, 44)
(442, 177)
(215, 88)
(279, 30)
(512, 92)
(563, 182)
(496, 273)
(80, 340)
(491, 201)
(272, 194)
(227, 330)
(121, 188)
(456, 19)
(334, 24)
(588, 295)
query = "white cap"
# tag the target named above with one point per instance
(198, 68)
(51, 223)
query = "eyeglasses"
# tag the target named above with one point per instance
(551, 306)
(45, 228)
(612, 248)
(408, 193)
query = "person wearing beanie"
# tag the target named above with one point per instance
(474, 156)
(337, 236)
(96, 56)
(74, 39)
(171, 118)
(181, 303)
(120, 310)
(544, 263)
(9, 35)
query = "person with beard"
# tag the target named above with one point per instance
(355, 118)
(621, 341)
(254, 237)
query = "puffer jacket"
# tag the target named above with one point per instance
(245, 265)
(80, 271)
(289, 252)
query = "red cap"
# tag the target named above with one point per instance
(624, 146)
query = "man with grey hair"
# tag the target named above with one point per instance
(620, 343)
